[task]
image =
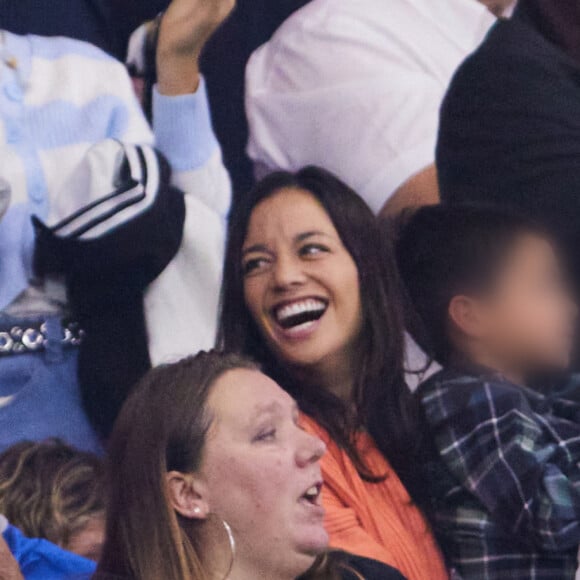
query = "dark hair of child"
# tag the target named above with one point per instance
(443, 251)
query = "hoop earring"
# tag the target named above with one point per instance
(232, 542)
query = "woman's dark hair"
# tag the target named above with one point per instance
(162, 427)
(382, 403)
(446, 250)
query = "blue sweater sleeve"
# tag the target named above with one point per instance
(183, 129)
(41, 560)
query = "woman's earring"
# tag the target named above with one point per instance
(232, 542)
(197, 510)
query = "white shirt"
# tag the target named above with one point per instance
(63, 97)
(355, 86)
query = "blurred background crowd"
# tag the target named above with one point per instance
(178, 176)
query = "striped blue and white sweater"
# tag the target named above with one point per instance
(57, 98)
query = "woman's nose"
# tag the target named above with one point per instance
(311, 450)
(288, 272)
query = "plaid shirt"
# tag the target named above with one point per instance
(505, 477)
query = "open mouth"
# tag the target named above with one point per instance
(300, 314)
(312, 495)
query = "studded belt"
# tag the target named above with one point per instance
(34, 338)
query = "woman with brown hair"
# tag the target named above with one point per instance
(213, 477)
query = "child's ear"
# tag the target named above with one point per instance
(464, 314)
(187, 495)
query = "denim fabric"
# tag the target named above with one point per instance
(39, 394)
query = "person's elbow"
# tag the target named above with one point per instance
(419, 190)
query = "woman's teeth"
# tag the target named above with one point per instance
(312, 494)
(300, 313)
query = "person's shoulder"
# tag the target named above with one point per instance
(357, 567)
(404, 20)
(515, 49)
(59, 47)
(333, 21)
(62, 62)
(321, 13)
(300, 34)
(445, 393)
(516, 36)
(452, 378)
(459, 392)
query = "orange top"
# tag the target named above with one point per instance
(376, 520)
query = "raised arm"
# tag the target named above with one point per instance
(182, 304)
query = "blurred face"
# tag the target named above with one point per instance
(301, 285)
(263, 475)
(88, 541)
(528, 320)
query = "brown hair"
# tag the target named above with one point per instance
(161, 428)
(50, 490)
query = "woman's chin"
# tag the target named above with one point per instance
(300, 354)
(315, 542)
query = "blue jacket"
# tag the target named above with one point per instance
(41, 560)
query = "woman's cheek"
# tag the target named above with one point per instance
(270, 480)
(253, 300)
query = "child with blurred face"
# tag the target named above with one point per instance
(490, 291)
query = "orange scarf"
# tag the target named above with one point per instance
(375, 520)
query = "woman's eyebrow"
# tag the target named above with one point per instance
(298, 238)
(255, 248)
(311, 234)
(268, 409)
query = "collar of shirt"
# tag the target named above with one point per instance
(445, 383)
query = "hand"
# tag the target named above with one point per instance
(186, 27)
(9, 569)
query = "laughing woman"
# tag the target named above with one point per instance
(311, 292)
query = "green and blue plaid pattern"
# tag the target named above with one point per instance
(505, 477)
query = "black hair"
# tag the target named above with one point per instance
(382, 403)
(446, 250)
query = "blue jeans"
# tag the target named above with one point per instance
(40, 396)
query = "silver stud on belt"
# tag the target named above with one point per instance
(19, 340)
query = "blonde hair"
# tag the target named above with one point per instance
(50, 490)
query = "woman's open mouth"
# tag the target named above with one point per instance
(299, 315)
(312, 495)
